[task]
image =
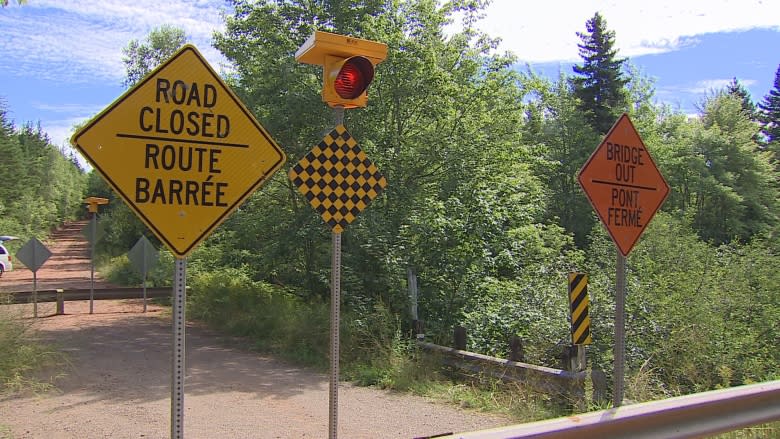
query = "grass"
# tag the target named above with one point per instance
(376, 352)
(764, 431)
(21, 355)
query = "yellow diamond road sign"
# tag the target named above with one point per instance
(181, 149)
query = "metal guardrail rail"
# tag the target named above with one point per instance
(546, 379)
(690, 416)
(83, 294)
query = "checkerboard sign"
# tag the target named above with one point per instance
(338, 179)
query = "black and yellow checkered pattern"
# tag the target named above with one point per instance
(338, 179)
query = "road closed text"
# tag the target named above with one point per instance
(191, 115)
(197, 119)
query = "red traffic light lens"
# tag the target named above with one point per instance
(354, 77)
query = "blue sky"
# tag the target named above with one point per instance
(61, 60)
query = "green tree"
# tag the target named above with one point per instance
(770, 116)
(141, 58)
(600, 86)
(443, 124)
(42, 187)
(564, 142)
(720, 177)
(699, 316)
(737, 89)
(13, 161)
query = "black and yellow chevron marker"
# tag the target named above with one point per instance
(578, 298)
(338, 179)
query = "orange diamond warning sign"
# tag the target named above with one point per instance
(623, 184)
(181, 150)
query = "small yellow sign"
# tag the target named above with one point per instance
(181, 149)
(338, 179)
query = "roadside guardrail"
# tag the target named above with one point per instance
(541, 378)
(63, 295)
(689, 416)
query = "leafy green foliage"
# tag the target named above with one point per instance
(140, 58)
(720, 177)
(483, 204)
(563, 140)
(698, 317)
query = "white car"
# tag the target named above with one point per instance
(5, 256)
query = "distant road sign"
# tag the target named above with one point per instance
(181, 150)
(100, 231)
(623, 184)
(33, 254)
(143, 255)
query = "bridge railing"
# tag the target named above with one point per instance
(544, 379)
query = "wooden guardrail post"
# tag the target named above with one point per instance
(60, 301)
(516, 352)
(418, 326)
(572, 360)
(599, 379)
(460, 338)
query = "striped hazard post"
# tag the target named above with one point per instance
(580, 319)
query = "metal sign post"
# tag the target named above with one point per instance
(35, 293)
(620, 329)
(92, 207)
(177, 367)
(411, 279)
(335, 318)
(144, 269)
(92, 228)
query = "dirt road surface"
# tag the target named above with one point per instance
(117, 381)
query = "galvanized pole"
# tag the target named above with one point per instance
(92, 233)
(335, 315)
(620, 327)
(335, 305)
(35, 288)
(144, 270)
(411, 279)
(177, 381)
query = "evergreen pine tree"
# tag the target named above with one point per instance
(770, 109)
(737, 89)
(600, 86)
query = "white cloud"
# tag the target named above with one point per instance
(545, 31)
(75, 41)
(705, 86)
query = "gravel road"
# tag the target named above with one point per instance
(117, 381)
